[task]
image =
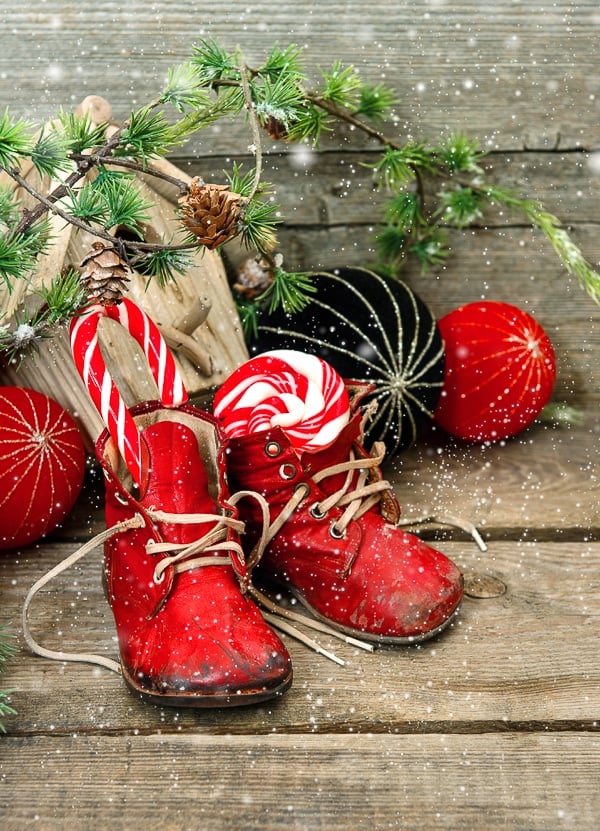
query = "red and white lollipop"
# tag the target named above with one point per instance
(301, 393)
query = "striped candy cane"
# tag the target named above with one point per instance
(103, 391)
(302, 394)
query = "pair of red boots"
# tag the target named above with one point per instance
(192, 511)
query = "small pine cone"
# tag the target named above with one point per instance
(255, 275)
(275, 128)
(211, 212)
(104, 275)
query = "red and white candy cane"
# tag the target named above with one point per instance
(103, 391)
(301, 393)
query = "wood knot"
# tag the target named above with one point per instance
(484, 586)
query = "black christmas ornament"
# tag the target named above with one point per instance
(373, 330)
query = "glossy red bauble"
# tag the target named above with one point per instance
(500, 371)
(42, 463)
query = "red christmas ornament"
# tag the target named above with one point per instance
(42, 463)
(500, 371)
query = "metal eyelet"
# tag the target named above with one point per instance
(120, 498)
(273, 449)
(287, 470)
(335, 532)
(315, 512)
(302, 486)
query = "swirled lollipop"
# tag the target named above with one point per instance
(300, 393)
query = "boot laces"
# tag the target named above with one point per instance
(356, 495)
(184, 559)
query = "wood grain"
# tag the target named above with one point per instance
(309, 782)
(514, 75)
(521, 654)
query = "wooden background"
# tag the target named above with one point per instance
(495, 725)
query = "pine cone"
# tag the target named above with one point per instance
(275, 128)
(211, 212)
(255, 275)
(104, 275)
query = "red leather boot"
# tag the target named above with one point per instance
(188, 634)
(174, 570)
(334, 542)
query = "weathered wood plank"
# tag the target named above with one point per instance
(336, 186)
(519, 654)
(514, 74)
(316, 782)
(542, 484)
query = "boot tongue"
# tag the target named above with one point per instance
(177, 480)
(336, 453)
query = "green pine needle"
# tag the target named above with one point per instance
(183, 88)
(258, 224)
(431, 251)
(163, 265)
(15, 140)
(376, 102)
(281, 99)
(213, 63)
(396, 167)
(404, 210)
(38, 237)
(561, 414)
(341, 86)
(460, 154)
(310, 124)
(9, 210)
(240, 182)
(61, 299)
(88, 204)
(289, 291)
(147, 135)
(460, 207)
(286, 61)
(7, 650)
(49, 154)
(80, 132)
(229, 103)
(248, 313)
(126, 208)
(7, 645)
(568, 252)
(16, 259)
(391, 243)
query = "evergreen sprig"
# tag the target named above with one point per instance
(80, 132)
(15, 140)
(56, 303)
(164, 265)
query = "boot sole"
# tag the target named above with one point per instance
(391, 640)
(207, 700)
